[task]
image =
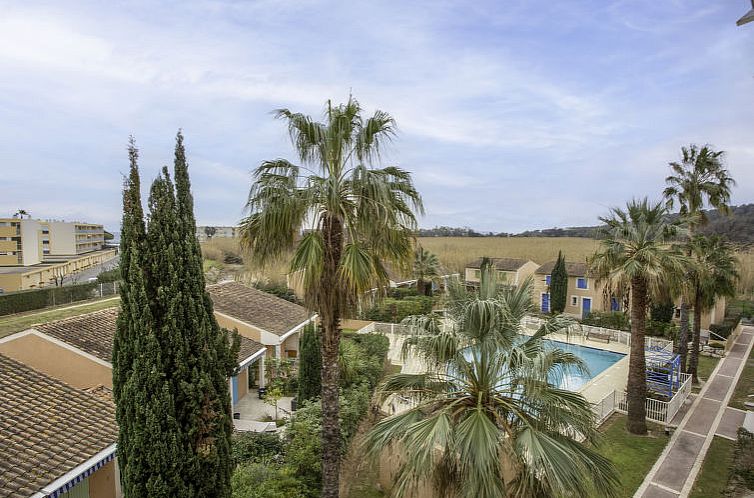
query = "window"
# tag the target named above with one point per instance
(477, 273)
(547, 279)
(581, 283)
(574, 300)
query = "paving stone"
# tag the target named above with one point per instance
(677, 465)
(731, 421)
(657, 492)
(701, 420)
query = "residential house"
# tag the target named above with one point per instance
(78, 351)
(260, 316)
(512, 271)
(584, 293)
(56, 440)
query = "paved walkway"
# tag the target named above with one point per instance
(674, 472)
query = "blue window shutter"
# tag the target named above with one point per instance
(547, 279)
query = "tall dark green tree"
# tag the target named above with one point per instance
(171, 360)
(310, 365)
(559, 285)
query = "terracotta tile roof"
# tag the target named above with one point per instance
(504, 264)
(573, 269)
(257, 308)
(47, 428)
(94, 333)
(248, 348)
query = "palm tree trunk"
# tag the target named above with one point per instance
(329, 312)
(697, 329)
(683, 333)
(637, 384)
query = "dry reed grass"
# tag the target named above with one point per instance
(455, 252)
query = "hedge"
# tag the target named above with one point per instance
(35, 299)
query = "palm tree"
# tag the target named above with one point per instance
(426, 269)
(488, 418)
(355, 220)
(697, 181)
(714, 273)
(635, 254)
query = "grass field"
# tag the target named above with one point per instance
(455, 252)
(713, 478)
(745, 385)
(632, 455)
(23, 321)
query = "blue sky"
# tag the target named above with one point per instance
(512, 115)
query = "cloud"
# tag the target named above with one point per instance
(525, 117)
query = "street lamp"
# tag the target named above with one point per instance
(748, 17)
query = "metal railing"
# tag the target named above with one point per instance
(659, 411)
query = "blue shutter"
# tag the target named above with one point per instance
(545, 303)
(586, 306)
(234, 383)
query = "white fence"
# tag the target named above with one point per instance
(604, 408)
(619, 336)
(659, 411)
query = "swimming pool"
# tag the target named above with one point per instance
(596, 360)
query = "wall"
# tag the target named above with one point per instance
(290, 347)
(594, 292)
(102, 483)
(243, 381)
(56, 361)
(62, 238)
(30, 242)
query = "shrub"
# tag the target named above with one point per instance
(743, 459)
(280, 290)
(396, 310)
(724, 329)
(402, 292)
(716, 344)
(18, 302)
(256, 447)
(259, 480)
(662, 312)
(661, 329)
(109, 276)
(616, 320)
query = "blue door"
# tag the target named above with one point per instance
(234, 384)
(545, 303)
(586, 306)
(614, 304)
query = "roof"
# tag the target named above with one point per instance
(48, 428)
(504, 264)
(258, 309)
(94, 332)
(573, 269)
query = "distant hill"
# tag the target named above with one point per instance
(738, 228)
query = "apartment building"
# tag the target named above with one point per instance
(511, 271)
(27, 242)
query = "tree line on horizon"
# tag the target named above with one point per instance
(737, 227)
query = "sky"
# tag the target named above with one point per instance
(511, 115)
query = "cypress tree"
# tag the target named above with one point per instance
(171, 360)
(310, 365)
(558, 285)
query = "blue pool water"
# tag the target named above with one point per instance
(596, 360)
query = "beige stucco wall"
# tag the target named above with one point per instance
(57, 361)
(243, 382)
(290, 347)
(244, 329)
(102, 482)
(593, 291)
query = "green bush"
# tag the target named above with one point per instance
(264, 480)
(109, 276)
(18, 302)
(662, 312)
(743, 459)
(396, 310)
(616, 320)
(726, 328)
(661, 329)
(256, 447)
(402, 292)
(280, 290)
(716, 344)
